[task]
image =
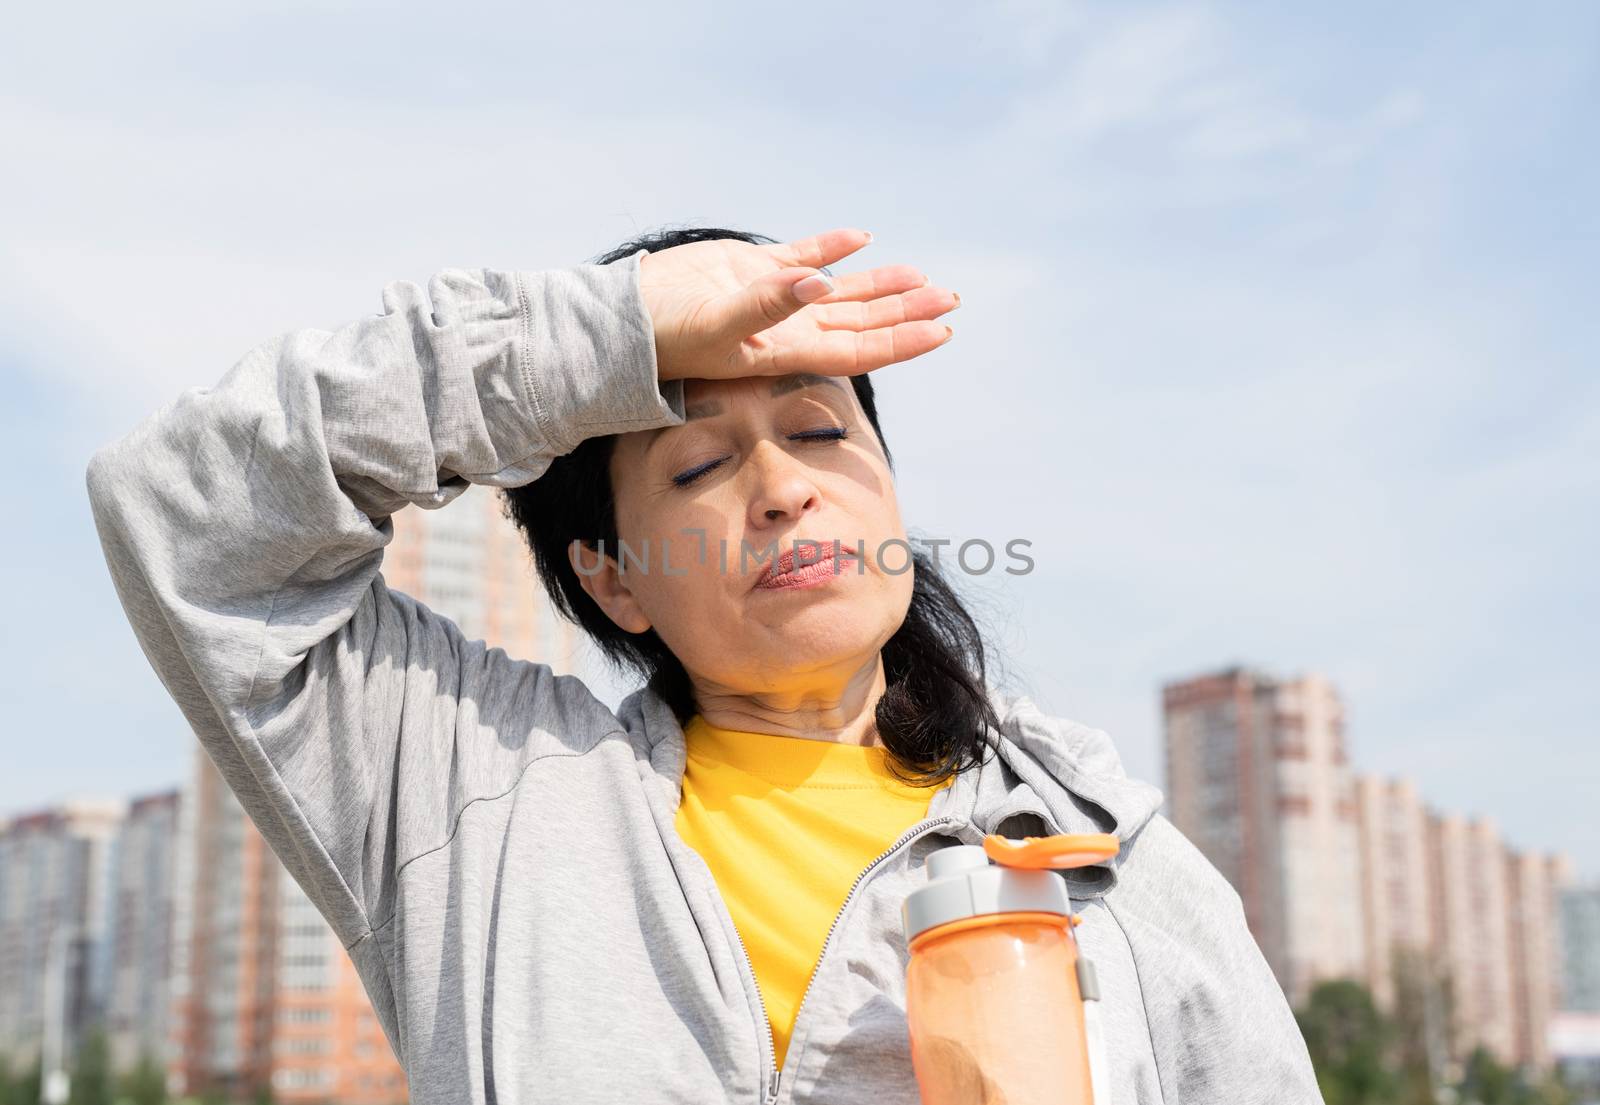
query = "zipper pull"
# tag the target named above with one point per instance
(772, 1089)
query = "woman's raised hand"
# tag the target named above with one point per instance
(726, 308)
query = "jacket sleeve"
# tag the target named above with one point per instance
(244, 525)
(1221, 1028)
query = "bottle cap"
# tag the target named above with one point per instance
(963, 883)
(1066, 850)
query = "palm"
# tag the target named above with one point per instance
(702, 298)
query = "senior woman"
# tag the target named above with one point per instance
(693, 898)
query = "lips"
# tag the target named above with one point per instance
(814, 553)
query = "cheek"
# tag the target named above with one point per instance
(691, 609)
(877, 519)
(681, 587)
(681, 531)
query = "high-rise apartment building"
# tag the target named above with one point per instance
(1258, 779)
(268, 997)
(469, 563)
(224, 945)
(1575, 1027)
(1472, 931)
(1396, 897)
(1533, 885)
(327, 1043)
(138, 948)
(1579, 949)
(54, 905)
(170, 921)
(264, 996)
(1496, 928)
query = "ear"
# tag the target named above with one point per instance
(600, 579)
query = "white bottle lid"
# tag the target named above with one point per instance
(962, 882)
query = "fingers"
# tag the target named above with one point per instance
(821, 249)
(871, 319)
(881, 297)
(912, 306)
(885, 280)
(761, 304)
(846, 353)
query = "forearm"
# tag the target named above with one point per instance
(243, 521)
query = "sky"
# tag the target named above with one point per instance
(1277, 341)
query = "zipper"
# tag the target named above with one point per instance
(905, 838)
(770, 1059)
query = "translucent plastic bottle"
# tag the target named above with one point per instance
(1001, 1008)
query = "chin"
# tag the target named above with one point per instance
(820, 637)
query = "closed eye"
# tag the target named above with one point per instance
(832, 433)
(684, 479)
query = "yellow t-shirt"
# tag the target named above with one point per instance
(786, 825)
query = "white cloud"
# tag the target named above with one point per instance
(1224, 354)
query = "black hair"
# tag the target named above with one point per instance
(931, 715)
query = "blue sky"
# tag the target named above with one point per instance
(1277, 336)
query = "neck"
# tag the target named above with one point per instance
(841, 709)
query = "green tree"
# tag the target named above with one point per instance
(1422, 1019)
(1350, 1043)
(1514, 1086)
(91, 1071)
(1485, 1081)
(26, 1085)
(146, 1083)
(1554, 1089)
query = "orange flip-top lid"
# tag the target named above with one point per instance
(1067, 850)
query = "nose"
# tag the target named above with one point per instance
(784, 487)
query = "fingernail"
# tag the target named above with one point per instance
(948, 333)
(958, 299)
(812, 288)
(869, 237)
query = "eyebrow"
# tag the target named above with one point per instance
(781, 385)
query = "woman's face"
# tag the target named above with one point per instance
(759, 464)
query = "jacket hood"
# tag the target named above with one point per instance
(1066, 775)
(1045, 776)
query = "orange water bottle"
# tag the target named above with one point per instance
(1001, 1008)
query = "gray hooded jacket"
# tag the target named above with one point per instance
(492, 844)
